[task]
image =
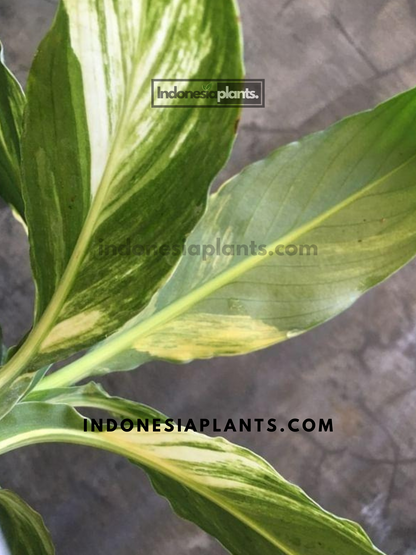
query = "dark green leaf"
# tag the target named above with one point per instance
(22, 531)
(12, 103)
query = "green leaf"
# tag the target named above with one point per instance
(102, 167)
(349, 190)
(12, 102)
(92, 395)
(226, 490)
(23, 384)
(10, 395)
(22, 530)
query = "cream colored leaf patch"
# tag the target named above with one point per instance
(72, 328)
(199, 336)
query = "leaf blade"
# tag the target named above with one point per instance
(225, 489)
(105, 154)
(348, 190)
(12, 102)
(23, 529)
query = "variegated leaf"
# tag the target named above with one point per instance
(12, 103)
(17, 389)
(349, 191)
(22, 531)
(22, 384)
(228, 491)
(101, 166)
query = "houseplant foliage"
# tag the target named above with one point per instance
(84, 157)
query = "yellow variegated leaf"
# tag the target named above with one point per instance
(22, 531)
(228, 491)
(101, 165)
(344, 199)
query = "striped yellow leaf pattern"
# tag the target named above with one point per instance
(102, 166)
(227, 490)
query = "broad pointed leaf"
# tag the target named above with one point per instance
(22, 531)
(226, 490)
(12, 103)
(101, 166)
(348, 194)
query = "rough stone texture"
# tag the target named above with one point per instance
(322, 60)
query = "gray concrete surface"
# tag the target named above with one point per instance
(322, 59)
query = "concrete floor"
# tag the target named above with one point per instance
(322, 60)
